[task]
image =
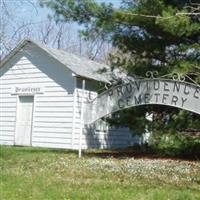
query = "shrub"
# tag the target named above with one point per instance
(175, 144)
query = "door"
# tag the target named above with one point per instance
(24, 121)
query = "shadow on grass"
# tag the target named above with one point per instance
(36, 150)
(131, 152)
(136, 153)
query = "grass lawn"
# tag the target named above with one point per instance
(43, 174)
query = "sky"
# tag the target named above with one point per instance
(31, 10)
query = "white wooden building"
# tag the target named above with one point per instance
(40, 100)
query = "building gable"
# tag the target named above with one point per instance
(33, 65)
(80, 66)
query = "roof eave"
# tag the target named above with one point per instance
(81, 76)
(14, 52)
(25, 42)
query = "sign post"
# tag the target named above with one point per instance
(81, 119)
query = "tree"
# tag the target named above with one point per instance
(15, 28)
(150, 35)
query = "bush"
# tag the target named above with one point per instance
(175, 144)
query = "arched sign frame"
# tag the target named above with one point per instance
(175, 92)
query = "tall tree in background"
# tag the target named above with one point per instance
(150, 35)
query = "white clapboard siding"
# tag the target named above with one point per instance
(23, 80)
(2, 142)
(98, 135)
(105, 135)
(53, 98)
(48, 124)
(55, 89)
(52, 140)
(4, 89)
(22, 77)
(57, 119)
(20, 72)
(7, 114)
(116, 139)
(44, 83)
(103, 142)
(23, 69)
(7, 129)
(8, 104)
(55, 132)
(7, 124)
(53, 110)
(54, 114)
(5, 92)
(7, 119)
(6, 137)
(9, 95)
(98, 145)
(8, 109)
(52, 145)
(9, 101)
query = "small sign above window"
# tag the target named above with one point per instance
(27, 90)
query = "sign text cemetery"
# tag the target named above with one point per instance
(174, 93)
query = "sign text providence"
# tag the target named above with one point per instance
(163, 92)
(145, 91)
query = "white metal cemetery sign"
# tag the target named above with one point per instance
(170, 92)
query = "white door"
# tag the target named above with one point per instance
(24, 121)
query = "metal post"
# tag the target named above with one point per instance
(82, 120)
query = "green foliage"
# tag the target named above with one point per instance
(154, 32)
(173, 144)
(149, 35)
(127, 118)
(171, 119)
(180, 25)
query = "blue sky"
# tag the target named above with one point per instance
(30, 14)
(31, 11)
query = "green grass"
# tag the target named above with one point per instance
(43, 174)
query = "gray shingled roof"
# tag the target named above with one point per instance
(80, 66)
